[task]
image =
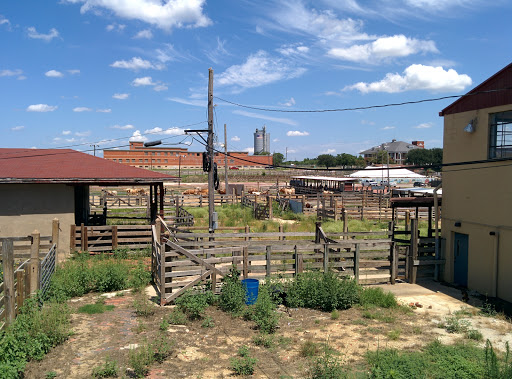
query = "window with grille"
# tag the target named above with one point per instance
(500, 141)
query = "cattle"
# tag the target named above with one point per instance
(137, 191)
(110, 192)
(221, 191)
(287, 191)
(191, 192)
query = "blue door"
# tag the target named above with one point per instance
(460, 256)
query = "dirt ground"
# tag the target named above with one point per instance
(200, 352)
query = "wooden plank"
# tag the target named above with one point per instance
(185, 252)
(268, 256)
(7, 264)
(20, 289)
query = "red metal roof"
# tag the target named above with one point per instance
(69, 166)
(501, 80)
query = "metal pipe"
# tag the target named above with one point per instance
(495, 264)
(436, 207)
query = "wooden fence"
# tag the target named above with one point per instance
(110, 237)
(29, 276)
(181, 259)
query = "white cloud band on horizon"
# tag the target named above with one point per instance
(121, 96)
(41, 108)
(297, 133)
(137, 63)
(82, 109)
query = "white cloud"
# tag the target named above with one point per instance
(424, 125)
(329, 151)
(275, 140)
(17, 72)
(195, 103)
(83, 134)
(366, 122)
(137, 63)
(289, 103)
(144, 34)
(66, 132)
(4, 21)
(106, 110)
(235, 138)
(174, 131)
(250, 150)
(74, 72)
(388, 128)
(82, 109)
(121, 96)
(114, 26)
(216, 55)
(281, 120)
(32, 33)
(16, 128)
(296, 133)
(137, 137)
(384, 48)
(417, 77)
(41, 108)
(145, 81)
(293, 50)
(69, 140)
(123, 127)
(160, 87)
(259, 69)
(54, 74)
(165, 14)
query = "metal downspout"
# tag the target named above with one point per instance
(437, 252)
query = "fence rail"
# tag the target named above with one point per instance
(109, 237)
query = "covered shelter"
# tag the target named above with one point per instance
(316, 184)
(382, 173)
(37, 185)
(416, 203)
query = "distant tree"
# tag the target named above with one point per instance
(345, 160)
(326, 160)
(382, 158)
(278, 159)
(360, 162)
(419, 157)
(437, 156)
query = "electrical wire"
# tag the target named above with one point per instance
(362, 108)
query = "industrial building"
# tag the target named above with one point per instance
(172, 157)
(397, 150)
(261, 141)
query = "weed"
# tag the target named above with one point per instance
(417, 330)
(119, 294)
(322, 291)
(244, 363)
(394, 334)
(207, 323)
(309, 349)
(161, 349)
(463, 312)
(474, 334)
(455, 325)
(98, 307)
(143, 306)
(317, 322)
(107, 370)
(335, 315)
(488, 309)
(232, 297)
(379, 316)
(327, 367)
(140, 277)
(265, 340)
(141, 358)
(140, 327)
(493, 368)
(264, 313)
(360, 322)
(177, 317)
(50, 375)
(194, 304)
(164, 324)
(378, 297)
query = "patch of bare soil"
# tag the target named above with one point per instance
(201, 352)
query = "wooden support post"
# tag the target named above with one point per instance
(281, 230)
(393, 262)
(345, 222)
(407, 220)
(326, 257)
(20, 290)
(55, 240)
(246, 262)
(270, 210)
(356, 263)
(114, 237)
(82, 238)
(8, 267)
(413, 251)
(268, 256)
(35, 264)
(72, 238)
(335, 210)
(213, 279)
(162, 261)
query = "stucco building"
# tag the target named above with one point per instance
(477, 197)
(171, 157)
(397, 150)
(38, 185)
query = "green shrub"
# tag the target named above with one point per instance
(140, 277)
(207, 323)
(194, 304)
(378, 297)
(309, 349)
(177, 317)
(50, 375)
(232, 297)
(244, 363)
(33, 333)
(493, 368)
(265, 340)
(453, 324)
(109, 275)
(143, 306)
(322, 291)
(144, 356)
(264, 313)
(335, 315)
(327, 366)
(106, 370)
(474, 334)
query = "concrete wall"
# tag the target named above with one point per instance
(25, 207)
(480, 198)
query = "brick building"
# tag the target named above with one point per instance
(397, 150)
(172, 157)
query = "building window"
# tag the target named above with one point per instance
(500, 141)
(146, 153)
(140, 160)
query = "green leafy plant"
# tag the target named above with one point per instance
(207, 323)
(141, 358)
(194, 304)
(143, 306)
(474, 334)
(327, 366)
(453, 324)
(335, 315)
(140, 277)
(378, 297)
(265, 340)
(232, 297)
(108, 369)
(177, 317)
(493, 368)
(244, 363)
(50, 375)
(309, 349)
(264, 313)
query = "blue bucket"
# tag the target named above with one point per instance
(251, 290)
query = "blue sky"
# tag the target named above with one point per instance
(83, 72)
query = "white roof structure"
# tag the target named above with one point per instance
(319, 178)
(382, 172)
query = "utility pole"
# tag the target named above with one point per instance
(94, 147)
(226, 160)
(211, 189)
(286, 156)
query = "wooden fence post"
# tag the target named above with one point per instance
(20, 289)
(393, 262)
(326, 257)
(158, 232)
(281, 230)
(407, 220)
(246, 262)
(413, 251)
(335, 210)
(8, 267)
(269, 205)
(356, 263)
(114, 237)
(345, 223)
(268, 256)
(35, 263)
(72, 239)
(55, 240)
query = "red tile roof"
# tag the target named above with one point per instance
(69, 166)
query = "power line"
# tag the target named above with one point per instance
(362, 108)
